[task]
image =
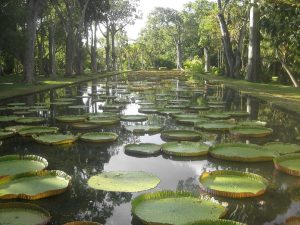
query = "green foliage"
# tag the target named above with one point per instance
(194, 65)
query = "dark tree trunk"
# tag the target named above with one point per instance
(94, 50)
(69, 54)
(41, 54)
(79, 59)
(52, 49)
(113, 48)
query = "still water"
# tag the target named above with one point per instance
(83, 160)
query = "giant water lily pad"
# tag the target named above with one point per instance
(16, 104)
(82, 223)
(85, 126)
(254, 123)
(55, 139)
(34, 185)
(185, 148)
(6, 134)
(23, 213)
(15, 164)
(71, 118)
(143, 129)
(191, 121)
(217, 116)
(241, 152)
(8, 118)
(199, 108)
(29, 120)
(16, 128)
(123, 181)
(148, 110)
(102, 121)
(134, 118)
(282, 148)
(251, 131)
(289, 164)
(233, 184)
(238, 114)
(181, 135)
(216, 125)
(178, 208)
(169, 111)
(142, 149)
(216, 222)
(37, 130)
(99, 137)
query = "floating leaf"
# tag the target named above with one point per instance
(238, 114)
(143, 128)
(85, 126)
(6, 134)
(216, 222)
(102, 121)
(71, 118)
(289, 164)
(233, 184)
(37, 130)
(134, 118)
(251, 131)
(216, 125)
(8, 118)
(99, 137)
(142, 149)
(17, 128)
(29, 120)
(185, 149)
(123, 181)
(218, 116)
(78, 106)
(282, 148)
(82, 223)
(181, 135)
(55, 139)
(147, 110)
(253, 123)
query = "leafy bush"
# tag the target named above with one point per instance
(194, 65)
(164, 62)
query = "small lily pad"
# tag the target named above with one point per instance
(253, 123)
(55, 139)
(217, 116)
(30, 120)
(71, 118)
(216, 125)
(282, 148)
(251, 131)
(181, 135)
(134, 118)
(143, 129)
(289, 164)
(8, 118)
(37, 130)
(185, 148)
(233, 184)
(123, 181)
(142, 149)
(99, 137)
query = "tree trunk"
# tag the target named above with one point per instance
(94, 50)
(253, 70)
(291, 76)
(79, 58)
(41, 54)
(206, 59)
(52, 49)
(113, 49)
(69, 54)
(178, 55)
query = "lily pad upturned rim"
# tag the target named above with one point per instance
(8, 118)
(217, 116)
(30, 120)
(216, 125)
(266, 131)
(23, 157)
(69, 138)
(143, 128)
(110, 137)
(232, 194)
(164, 195)
(43, 130)
(254, 123)
(288, 148)
(26, 207)
(104, 121)
(85, 126)
(16, 128)
(216, 222)
(22, 176)
(285, 169)
(71, 118)
(200, 149)
(138, 149)
(173, 135)
(82, 223)
(123, 181)
(6, 134)
(134, 118)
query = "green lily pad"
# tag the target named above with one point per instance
(169, 111)
(22, 113)
(65, 99)
(216, 125)
(186, 116)
(147, 110)
(251, 131)
(23, 213)
(55, 139)
(15, 164)
(233, 184)
(123, 181)
(282, 148)
(34, 185)
(85, 126)
(112, 106)
(8, 118)
(37, 130)
(185, 148)
(82, 223)
(134, 118)
(167, 207)
(217, 103)
(142, 149)
(29, 120)
(78, 106)
(254, 123)
(199, 108)
(143, 129)
(192, 121)
(16, 128)
(99, 137)
(176, 106)
(16, 104)
(238, 114)
(58, 103)
(181, 135)
(217, 116)
(216, 222)
(101, 121)
(6, 134)
(71, 118)
(289, 164)
(241, 152)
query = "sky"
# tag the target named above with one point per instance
(146, 6)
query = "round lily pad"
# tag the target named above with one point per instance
(251, 131)
(192, 121)
(178, 208)
(99, 137)
(216, 222)
(23, 213)
(233, 184)
(6, 134)
(20, 113)
(254, 123)
(185, 148)
(8, 118)
(143, 128)
(241, 152)
(289, 164)
(71, 118)
(101, 121)
(181, 135)
(147, 110)
(55, 139)
(15, 164)
(17, 128)
(142, 149)
(16, 104)
(282, 148)
(216, 125)
(123, 181)
(82, 223)
(169, 111)
(37, 130)
(29, 120)
(199, 108)
(187, 116)
(217, 116)
(134, 118)
(85, 126)
(34, 185)
(238, 114)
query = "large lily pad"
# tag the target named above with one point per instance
(82, 223)
(71, 118)
(102, 121)
(16, 128)
(34, 185)
(15, 164)
(23, 213)
(192, 121)
(169, 111)
(148, 110)
(241, 152)
(238, 114)
(254, 123)
(282, 148)
(99, 137)
(178, 208)
(199, 108)
(216, 125)
(16, 104)
(6, 134)
(8, 118)
(216, 222)
(142, 149)
(143, 129)
(123, 181)
(181, 135)
(185, 148)
(85, 126)
(134, 118)
(217, 116)
(289, 164)
(233, 184)
(37, 130)
(55, 139)
(251, 131)
(29, 120)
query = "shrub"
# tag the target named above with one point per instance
(194, 65)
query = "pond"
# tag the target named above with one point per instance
(81, 160)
